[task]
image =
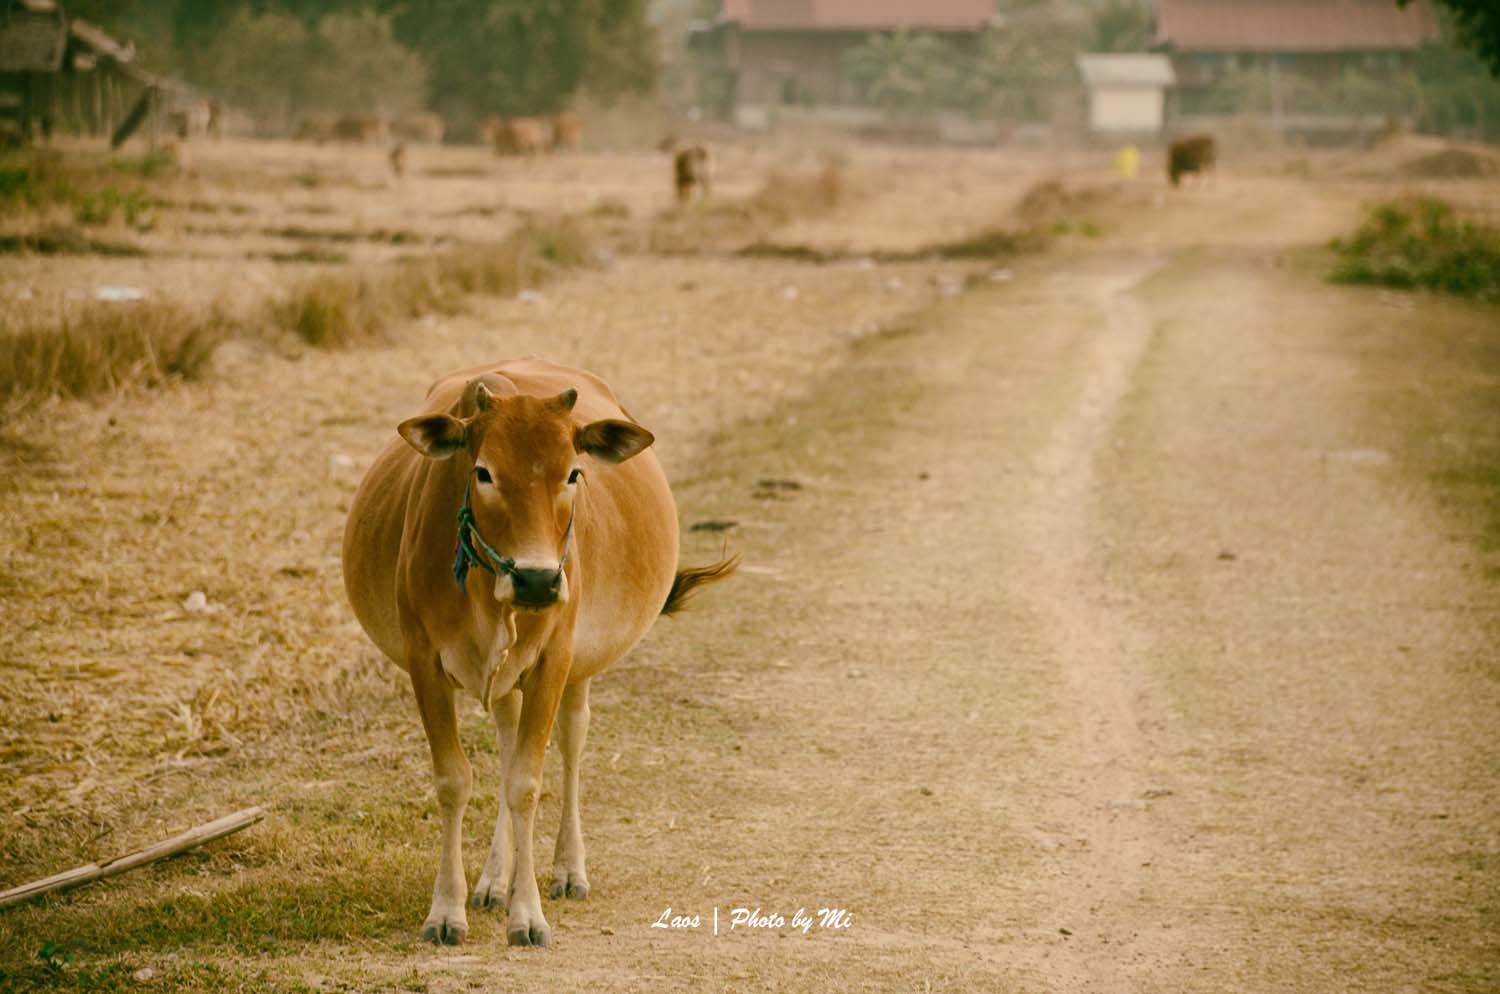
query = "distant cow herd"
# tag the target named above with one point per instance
(505, 135)
(420, 127)
(531, 135)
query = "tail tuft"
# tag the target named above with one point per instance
(687, 581)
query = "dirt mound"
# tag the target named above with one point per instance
(1451, 163)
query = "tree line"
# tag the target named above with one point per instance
(1018, 70)
(465, 59)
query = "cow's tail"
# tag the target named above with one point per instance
(687, 581)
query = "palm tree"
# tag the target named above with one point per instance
(902, 72)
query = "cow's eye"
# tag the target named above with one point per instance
(575, 476)
(483, 475)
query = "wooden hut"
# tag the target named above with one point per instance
(61, 74)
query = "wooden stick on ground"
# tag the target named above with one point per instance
(170, 847)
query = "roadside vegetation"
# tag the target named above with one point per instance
(106, 346)
(103, 347)
(1421, 243)
(95, 192)
(343, 309)
(84, 348)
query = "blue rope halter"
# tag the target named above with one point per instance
(470, 544)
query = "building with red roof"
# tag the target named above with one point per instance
(790, 52)
(1295, 50)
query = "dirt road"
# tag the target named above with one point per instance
(1099, 631)
(1138, 662)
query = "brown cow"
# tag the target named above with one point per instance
(420, 127)
(567, 131)
(1190, 155)
(690, 169)
(516, 541)
(518, 135)
(363, 129)
(316, 126)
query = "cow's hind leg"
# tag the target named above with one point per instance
(447, 922)
(494, 882)
(568, 876)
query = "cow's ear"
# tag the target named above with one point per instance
(436, 436)
(611, 440)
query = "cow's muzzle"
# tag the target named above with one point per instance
(531, 587)
(535, 588)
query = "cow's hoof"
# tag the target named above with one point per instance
(535, 934)
(488, 894)
(445, 932)
(572, 886)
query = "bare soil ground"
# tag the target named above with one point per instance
(1130, 625)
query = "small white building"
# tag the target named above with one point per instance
(1127, 93)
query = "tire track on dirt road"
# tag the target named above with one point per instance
(1001, 668)
(1098, 647)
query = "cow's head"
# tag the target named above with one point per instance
(523, 456)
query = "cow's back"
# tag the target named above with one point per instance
(372, 544)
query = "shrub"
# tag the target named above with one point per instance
(104, 347)
(1421, 242)
(331, 310)
(40, 178)
(342, 309)
(151, 164)
(788, 195)
(100, 206)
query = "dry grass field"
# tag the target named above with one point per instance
(1118, 608)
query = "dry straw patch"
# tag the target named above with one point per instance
(104, 347)
(720, 224)
(346, 309)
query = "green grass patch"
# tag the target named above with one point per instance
(101, 206)
(992, 243)
(61, 973)
(41, 179)
(63, 240)
(151, 164)
(349, 866)
(1421, 243)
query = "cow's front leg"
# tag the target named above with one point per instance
(527, 926)
(447, 921)
(568, 876)
(494, 882)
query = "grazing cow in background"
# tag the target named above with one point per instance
(518, 135)
(1190, 155)
(316, 126)
(362, 129)
(515, 541)
(689, 171)
(397, 158)
(567, 131)
(420, 127)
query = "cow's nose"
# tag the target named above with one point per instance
(536, 587)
